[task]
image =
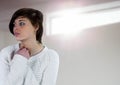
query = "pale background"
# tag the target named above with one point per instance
(90, 58)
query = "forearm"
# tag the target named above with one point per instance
(18, 69)
(13, 73)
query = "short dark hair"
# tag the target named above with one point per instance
(35, 17)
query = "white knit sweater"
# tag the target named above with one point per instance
(40, 69)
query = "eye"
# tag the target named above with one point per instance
(21, 23)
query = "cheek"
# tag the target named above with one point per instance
(30, 32)
(14, 30)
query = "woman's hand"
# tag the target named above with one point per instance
(24, 52)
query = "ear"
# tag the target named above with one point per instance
(36, 28)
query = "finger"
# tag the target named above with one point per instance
(26, 50)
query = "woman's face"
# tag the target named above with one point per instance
(23, 29)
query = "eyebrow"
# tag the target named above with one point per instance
(21, 20)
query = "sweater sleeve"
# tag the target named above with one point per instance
(51, 72)
(12, 73)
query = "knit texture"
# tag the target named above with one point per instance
(40, 69)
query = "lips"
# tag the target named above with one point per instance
(16, 34)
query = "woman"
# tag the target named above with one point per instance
(28, 62)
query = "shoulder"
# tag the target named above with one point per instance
(9, 48)
(52, 52)
(53, 55)
(6, 52)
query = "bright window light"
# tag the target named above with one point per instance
(73, 21)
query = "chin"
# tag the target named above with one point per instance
(19, 39)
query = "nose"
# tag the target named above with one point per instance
(16, 28)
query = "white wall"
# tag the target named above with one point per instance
(1, 39)
(6, 38)
(90, 58)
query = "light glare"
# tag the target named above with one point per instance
(68, 24)
(73, 21)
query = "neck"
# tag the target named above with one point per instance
(33, 46)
